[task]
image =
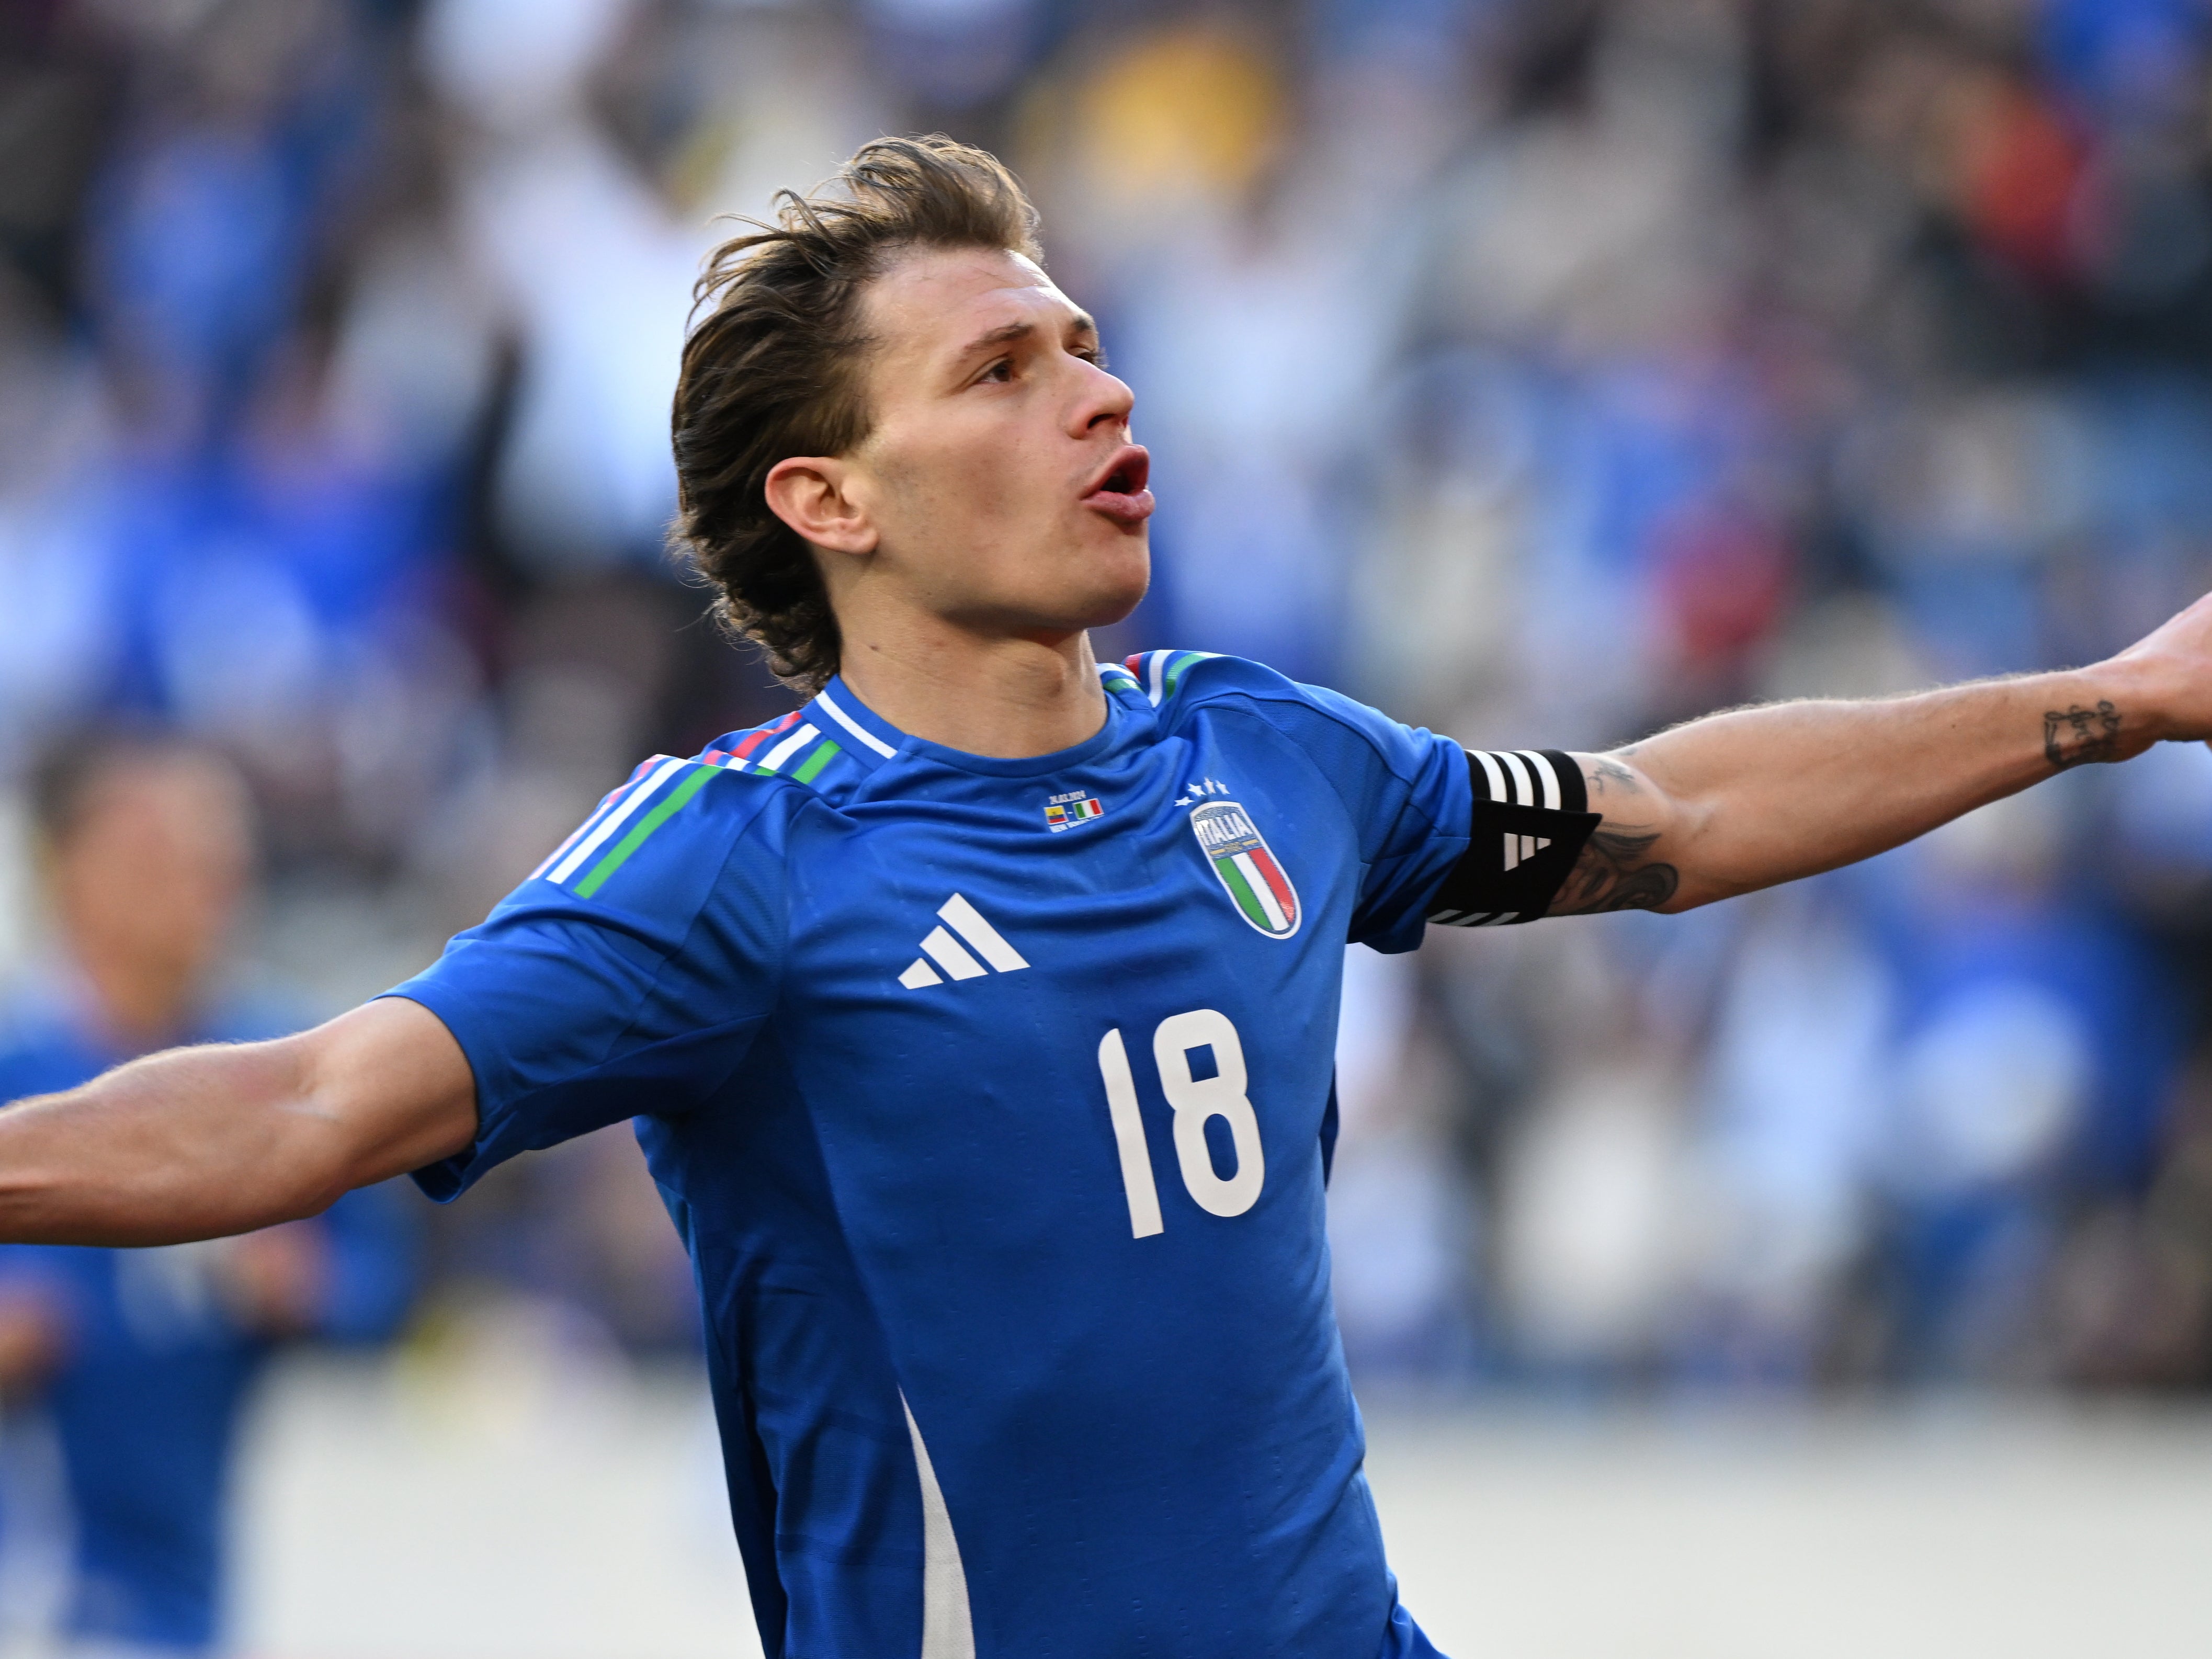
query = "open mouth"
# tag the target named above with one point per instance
(1120, 492)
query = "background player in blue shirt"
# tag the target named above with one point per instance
(141, 1360)
(977, 1017)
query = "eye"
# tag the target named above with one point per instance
(1002, 371)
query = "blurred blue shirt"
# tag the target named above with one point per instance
(145, 1404)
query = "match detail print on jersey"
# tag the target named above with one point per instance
(1528, 826)
(1247, 868)
(1077, 806)
(947, 952)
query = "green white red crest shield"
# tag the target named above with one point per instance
(1248, 869)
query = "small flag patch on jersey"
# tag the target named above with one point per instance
(1062, 811)
(1246, 867)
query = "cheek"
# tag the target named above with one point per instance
(970, 474)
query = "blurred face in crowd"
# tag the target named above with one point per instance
(998, 488)
(146, 880)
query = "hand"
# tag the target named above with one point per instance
(2161, 691)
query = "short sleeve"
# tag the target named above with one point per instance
(1405, 789)
(1528, 823)
(626, 977)
(1466, 839)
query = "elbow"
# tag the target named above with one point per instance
(309, 1165)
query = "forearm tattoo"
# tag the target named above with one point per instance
(1616, 871)
(1608, 776)
(2076, 735)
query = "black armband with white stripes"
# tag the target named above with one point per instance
(1531, 822)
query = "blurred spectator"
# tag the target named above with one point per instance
(139, 1360)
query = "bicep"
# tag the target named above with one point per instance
(1629, 862)
(391, 1080)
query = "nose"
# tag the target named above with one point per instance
(1106, 400)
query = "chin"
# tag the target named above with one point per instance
(1119, 592)
(1087, 585)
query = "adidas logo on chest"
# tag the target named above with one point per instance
(978, 949)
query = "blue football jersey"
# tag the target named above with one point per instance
(991, 1099)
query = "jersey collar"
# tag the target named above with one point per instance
(838, 713)
(857, 729)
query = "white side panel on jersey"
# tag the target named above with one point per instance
(947, 1631)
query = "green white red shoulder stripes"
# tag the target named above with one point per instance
(625, 821)
(1160, 671)
(663, 787)
(792, 747)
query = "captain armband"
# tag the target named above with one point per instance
(1531, 822)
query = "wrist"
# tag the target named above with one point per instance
(2110, 711)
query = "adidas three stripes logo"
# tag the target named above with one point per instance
(959, 960)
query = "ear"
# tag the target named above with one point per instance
(815, 496)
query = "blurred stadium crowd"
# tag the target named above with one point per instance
(1543, 373)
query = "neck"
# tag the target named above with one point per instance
(1005, 697)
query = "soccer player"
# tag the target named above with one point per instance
(142, 1359)
(977, 1017)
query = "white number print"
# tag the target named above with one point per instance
(1195, 1100)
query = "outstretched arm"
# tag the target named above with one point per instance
(1745, 799)
(197, 1143)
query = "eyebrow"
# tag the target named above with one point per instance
(1084, 322)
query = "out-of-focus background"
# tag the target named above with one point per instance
(1542, 371)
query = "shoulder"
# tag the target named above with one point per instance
(1180, 684)
(1174, 680)
(800, 750)
(669, 828)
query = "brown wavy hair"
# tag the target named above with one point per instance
(772, 367)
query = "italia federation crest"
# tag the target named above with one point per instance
(1247, 869)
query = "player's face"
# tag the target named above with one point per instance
(999, 476)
